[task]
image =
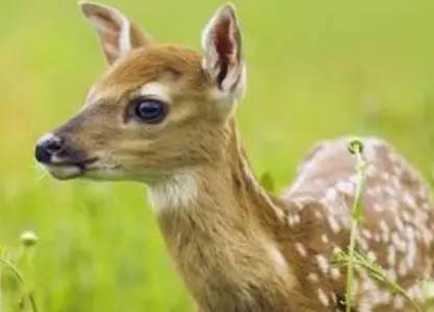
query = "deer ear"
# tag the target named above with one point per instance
(221, 42)
(117, 34)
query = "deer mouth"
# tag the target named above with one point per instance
(67, 170)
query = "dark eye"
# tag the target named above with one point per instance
(149, 110)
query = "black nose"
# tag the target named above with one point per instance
(48, 147)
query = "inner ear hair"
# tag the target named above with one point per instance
(222, 46)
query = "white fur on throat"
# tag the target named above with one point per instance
(177, 191)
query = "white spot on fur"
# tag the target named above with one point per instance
(399, 224)
(399, 243)
(322, 296)
(325, 238)
(323, 263)
(334, 225)
(278, 259)
(409, 200)
(377, 207)
(363, 243)
(301, 249)
(391, 274)
(398, 302)
(366, 233)
(336, 250)
(346, 188)
(331, 194)
(335, 273)
(391, 255)
(402, 268)
(313, 277)
(294, 219)
(371, 256)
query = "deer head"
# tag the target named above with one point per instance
(158, 108)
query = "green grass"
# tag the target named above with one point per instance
(317, 69)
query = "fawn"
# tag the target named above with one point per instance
(165, 115)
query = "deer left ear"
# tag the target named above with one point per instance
(223, 60)
(118, 35)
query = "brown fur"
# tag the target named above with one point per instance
(236, 221)
(238, 248)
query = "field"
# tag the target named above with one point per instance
(317, 69)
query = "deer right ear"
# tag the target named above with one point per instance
(221, 42)
(117, 34)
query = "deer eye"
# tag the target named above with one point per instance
(151, 111)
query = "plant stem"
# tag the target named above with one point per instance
(32, 302)
(350, 268)
(20, 278)
(13, 268)
(356, 218)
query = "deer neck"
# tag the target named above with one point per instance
(218, 224)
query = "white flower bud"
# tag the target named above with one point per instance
(29, 238)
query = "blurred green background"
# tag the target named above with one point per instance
(317, 69)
